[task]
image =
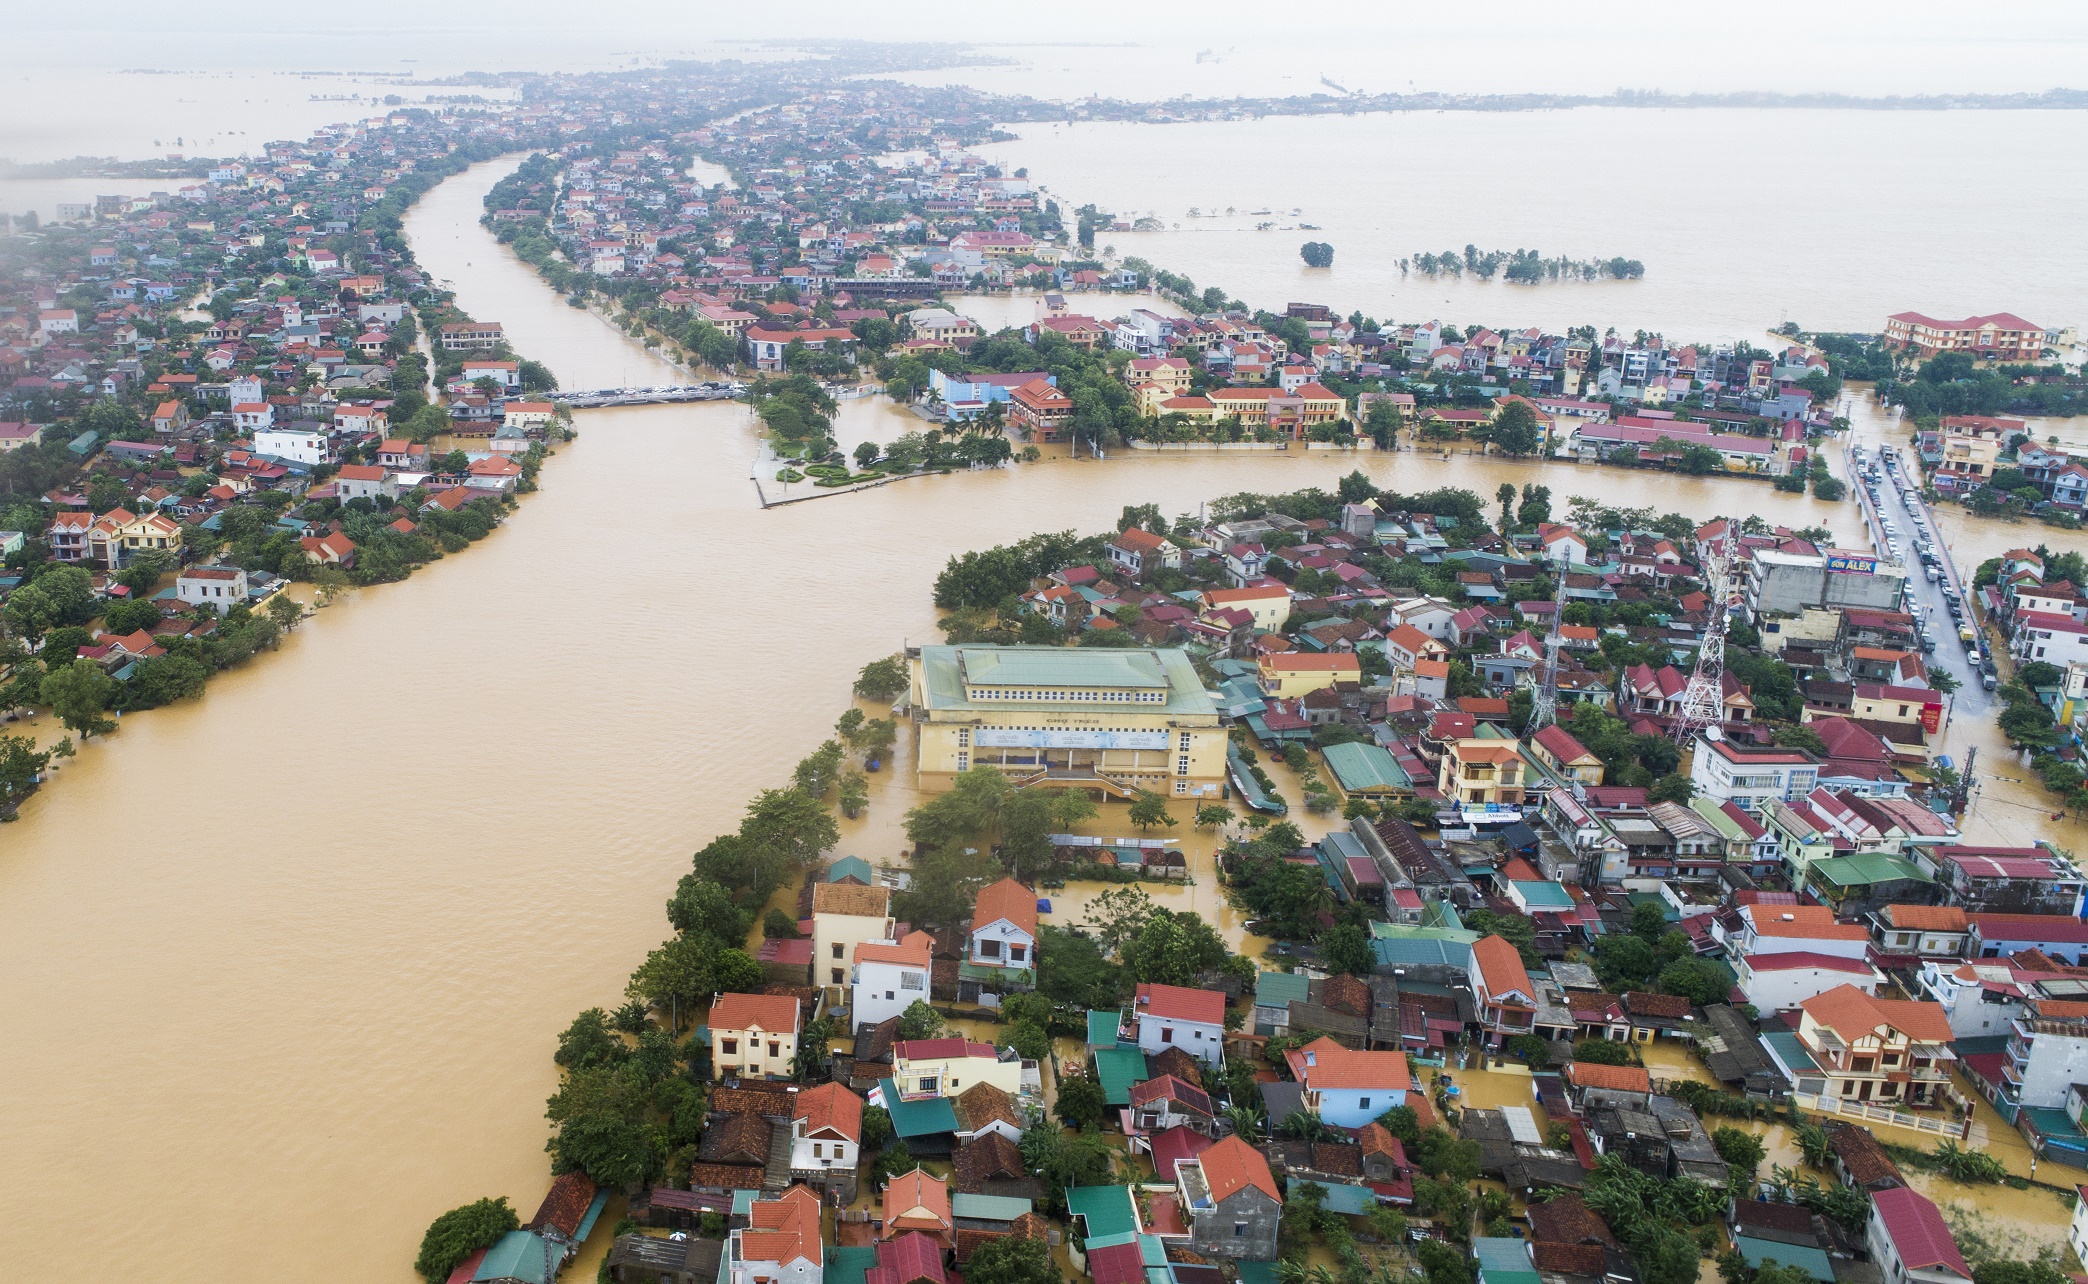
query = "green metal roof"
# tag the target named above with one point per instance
(848, 1265)
(851, 867)
(947, 671)
(1544, 896)
(1707, 810)
(1812, 1261)
(1118, 1069)
(1250, 789)
(1365, 766)
(1353, 1201)
(922, 1118)
(1104, 1210)
(1277, 989)
(1103, 1027)
(1864, 868)
(988, 1208)
(1504, 1261)
(517, 1255)
(1257, 1272)
(1788, 1050)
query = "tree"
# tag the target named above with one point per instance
(1317, 254)
(1515, 429)
(1027, 1038)
(459, 1233)
(1740, 1148)
(1150, 809)
(789, 825)
(1696, 980)
(1506, 494)
(78, 693)
(919, 1021)
(778, 925)
(883, 680)
(679, 974)
(1649, 921)
(1011, 1259)
(1213, 816)
(20, 765)
(1602, 1052)
(1673, 787)
(601, 1127)
(1345, 948)
(1403, 1123)
(1080, 1103)
(702, 907)
(877, 1127)
(1535, 509)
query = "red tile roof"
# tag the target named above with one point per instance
(1231, 1166)
(771, 1013)
(832, 1110)
(1008, 900)
(1917, 1231)
(1173, 1002)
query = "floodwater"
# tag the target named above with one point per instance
(1721, 261)
(307, 942)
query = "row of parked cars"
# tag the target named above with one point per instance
(1886, 470)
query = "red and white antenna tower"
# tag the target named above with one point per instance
(1703, 700)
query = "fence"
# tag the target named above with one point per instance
(1964, 1130)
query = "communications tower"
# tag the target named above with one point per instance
(1703, 700)
(1544, 704)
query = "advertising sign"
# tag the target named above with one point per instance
(1852, 562)
(991, 738)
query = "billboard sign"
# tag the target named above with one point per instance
(1023, 738)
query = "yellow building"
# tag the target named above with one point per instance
(1480, 772)
(1293, 673)
(1270, 605)
(946, 1067)
(845, 915)
(1116, 720)
(753, 1035)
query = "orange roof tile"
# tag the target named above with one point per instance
(1851, 1014)
(831, 1109)
(1008, 900)
(1231, 1166)
(770, 1013)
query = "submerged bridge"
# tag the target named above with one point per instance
(666, 395)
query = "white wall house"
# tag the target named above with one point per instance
(1781, 981)
(889, 977)
(218, 587)
(1727, 772)
(1004, 927)
(305, 446)
(1171, 1016)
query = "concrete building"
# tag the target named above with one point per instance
(889, 977)
(1910, 1243)
(218, 587)
(1348, 1088)
(1171, 1016)
(1785, 584)
(303, 445)
(1726, 772)
(1115, 720)
(1233, 1202)
(2047, 1046)
(826, 1140)
(845, 915)
(753, 1035)
(781, 1242)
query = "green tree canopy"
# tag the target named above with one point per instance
(459, 1233)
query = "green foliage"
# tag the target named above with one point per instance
(1403, 1123)
(777, 924)
(1011, 1259)
(1071, 970)
(20, 765)
(989, 577)
(601, 1127)
(1080, 1103)
(919, 1021)
(877, 1127)
(1442, 1154)
(884, 679)
(459, 1233)
(79, 693)
(1740, 1148)
(1602, 1052)
(1346, 948)
(1149, 809)
(1972, 1167)
(1697, 980)
(1027, 1038)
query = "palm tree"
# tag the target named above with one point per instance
(1813, 1143)
(1246, 1121)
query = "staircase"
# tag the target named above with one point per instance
(776, 1178)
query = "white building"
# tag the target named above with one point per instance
(1726, 772)
(1910, 1242)
(889, 977)
(1982, 999)
(1170, 1016)
(1781, 981)
(781, 1243)
(826, 1138)
(361, 481)
(219, 587)
(310, 446)
(845, 915)
(1004, 927)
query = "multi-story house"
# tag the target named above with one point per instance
(1480, 773)
(2047, 1049)
(1502, 995)
(781, 1242)
(1004, 932)
(753, 1035)
(1141, 554)
(2010, 880)
(1750, 777)
(923, 1068)
(826, 1137)
(845, 915)
(1880, 1051)
(2002, 336)
(1919, 933)
(918, 1203)
(890, 977)
(1233, 1202)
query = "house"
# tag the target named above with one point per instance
(1269, 604)
(1142, 554)
(304, 445)
(754, 1035)
(845, 915)
(1004, 927)
(919, 1203)
(1727, 772)
(1171, 1016)
(1294, 673)
(1164, 1101)
(923, 1068)
(1503, 998)
(781, 1242)
(1859, 1048)
(1232, 1200)
(359, 481)
(1909, 1242)
(219, 587)
(1348, 1088)
(1565, 757)
(1481, 773)
(889, 977)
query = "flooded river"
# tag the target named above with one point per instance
(285, 965)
